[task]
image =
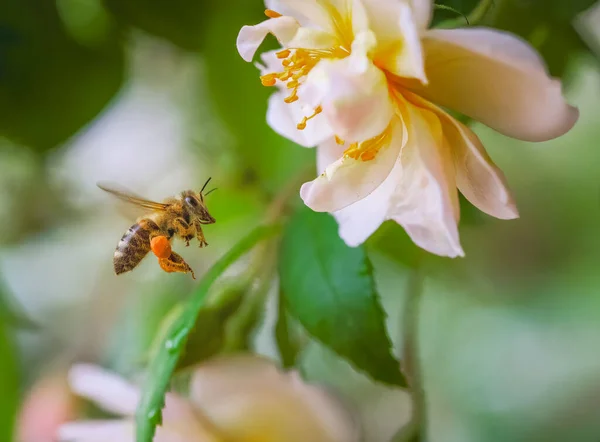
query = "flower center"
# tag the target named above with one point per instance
(296, 64)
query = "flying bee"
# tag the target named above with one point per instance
(181, 216)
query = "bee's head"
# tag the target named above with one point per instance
(194, 201)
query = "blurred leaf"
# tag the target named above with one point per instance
(50, 85)
(9, 386)
(160, 370)
(287, 343)
(562, 10)
(12, 313)
(547, 25)
(240, 99)
(392, 240)
(329, 288)
(449, 9)
(207, 337)
(179, 21)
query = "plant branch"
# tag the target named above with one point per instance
(412, 432)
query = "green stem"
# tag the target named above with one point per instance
(148, 413)
(413, 431)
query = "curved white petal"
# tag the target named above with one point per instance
(477, 177)
(251, 37)
(497, 79)
(340, 18)
(246, 397)
(97, 431)
(106, 389)
(348, 180)
(308, 38)
(422, 11)
(353, 94)
(425, 199)
(360, 220)
(284, 118)
(398, 42)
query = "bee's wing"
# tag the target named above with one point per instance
(130, 197)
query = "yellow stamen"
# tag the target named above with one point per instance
(339, 141)
(368, 150)
(268, 80)
(297, 63)
(283, 54)
(291, 98)
(302, 124)
(272, 14)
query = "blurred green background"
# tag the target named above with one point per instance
(153, 95)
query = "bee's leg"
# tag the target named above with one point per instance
(175, 263)
(200, 235)
(184, 230)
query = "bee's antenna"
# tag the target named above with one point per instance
(210, 191)
(205, 184)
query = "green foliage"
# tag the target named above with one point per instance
(241, 101)
(9, 386)
(179, 21)
(546, 25)
(329, 288)
(50, 85)
(288, 342)
(208, 336)
(449, 9)
(167, 355)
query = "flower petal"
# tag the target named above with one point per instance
(422, 11)
(398, 43)
(341, 18)
(425, 199)
(477, 177)
(97, 431)
(248, 398)
(419, 193)
(284, 118)
(360, 220)
(251, 37)
(348, 180)
(352, 92)
(106, 389)
(497, 79)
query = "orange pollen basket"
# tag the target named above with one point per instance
(367, 150)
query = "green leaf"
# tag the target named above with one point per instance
(149, 414)
(329, 288)
(50, 84)
(9, 386)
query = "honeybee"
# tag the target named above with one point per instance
(181, 216)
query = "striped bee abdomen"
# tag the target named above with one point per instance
(134, 245)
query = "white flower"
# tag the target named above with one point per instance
(242, 398)
(359, 79)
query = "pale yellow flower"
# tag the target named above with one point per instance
(359, 79)
(242, 398)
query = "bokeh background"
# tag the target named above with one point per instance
(153, 95)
